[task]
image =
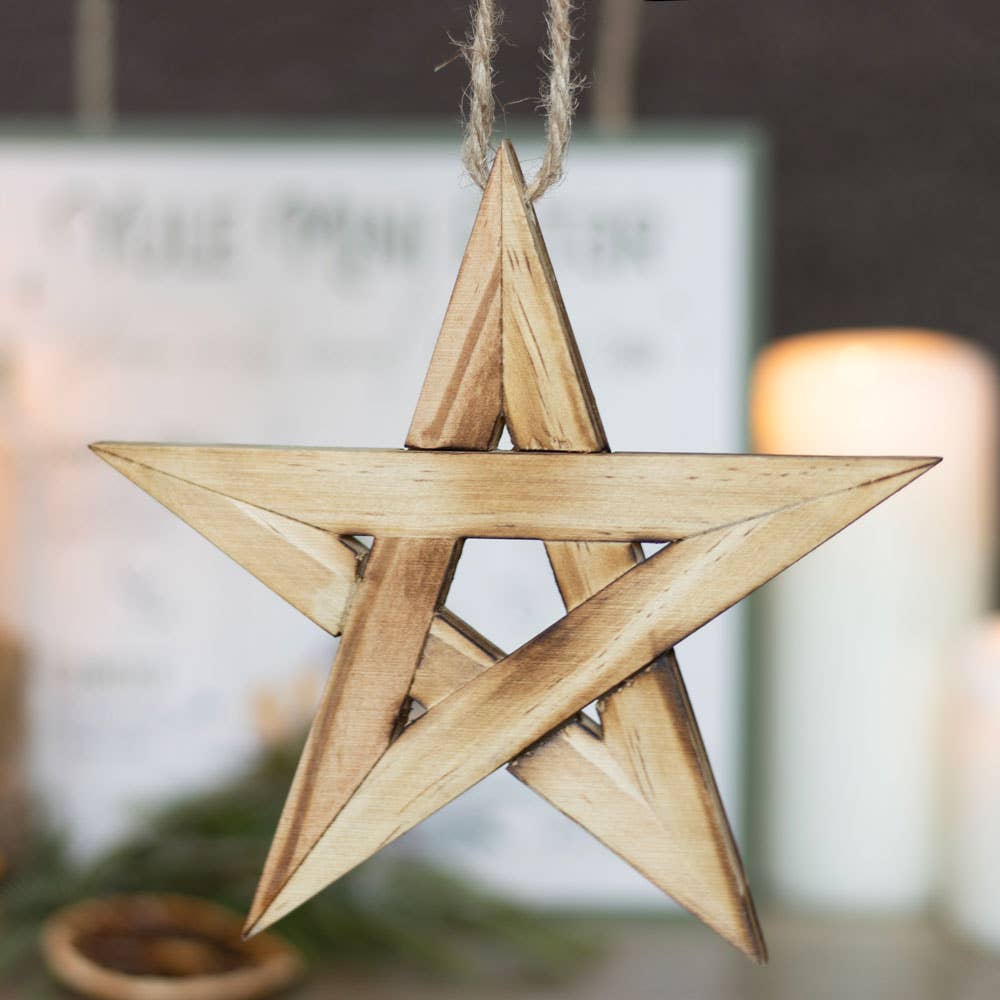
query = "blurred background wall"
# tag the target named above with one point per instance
(899, 96)
(880, 121)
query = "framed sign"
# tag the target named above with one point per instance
(253, 288)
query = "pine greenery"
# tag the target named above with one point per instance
(392, 912)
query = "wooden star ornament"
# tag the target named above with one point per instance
(640, 781)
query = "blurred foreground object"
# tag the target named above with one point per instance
(972, 884)
(12, 749)
(167, 947)
(855, 640)
(391, 913)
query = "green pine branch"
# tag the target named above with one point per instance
(391, 911)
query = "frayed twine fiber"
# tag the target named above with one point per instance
(558, 99)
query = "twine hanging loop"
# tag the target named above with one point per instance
(558, 96)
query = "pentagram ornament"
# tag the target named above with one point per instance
(639, 781)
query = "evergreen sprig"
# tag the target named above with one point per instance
(393, 911)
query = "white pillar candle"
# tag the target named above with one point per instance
(972, 803)
(854, 640)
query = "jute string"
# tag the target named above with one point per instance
(558, 95)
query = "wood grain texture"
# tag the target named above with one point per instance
(461, 400)
(686, 846)
(573, 770)
(548, 402)
(551, 496)
(668, 763)
(363, 704)
(453, 655)
(312, 569)
(507, 707)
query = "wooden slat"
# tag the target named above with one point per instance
(507, 707)
(666, 760)
(362, 707)
(548, 402)
(461, 400)
(453, 655)
(313, 570)
(560, 497)
(574, 770)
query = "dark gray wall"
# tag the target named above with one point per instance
(885, 117)
(35, 41)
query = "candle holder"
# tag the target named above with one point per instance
(158, 947)
(13, 797)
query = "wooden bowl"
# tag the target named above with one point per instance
(155, 947)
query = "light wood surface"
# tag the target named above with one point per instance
(364, 703)
(640, 781)
(454, 654)
(461, 401)
(551, 496)
(548, 402)
(311, 569)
